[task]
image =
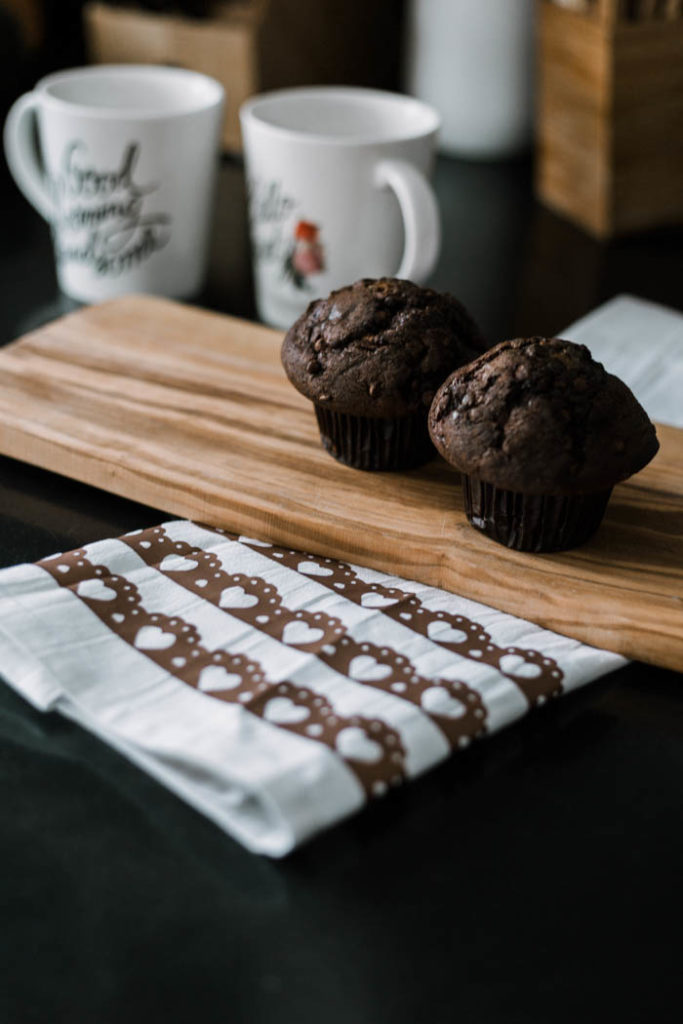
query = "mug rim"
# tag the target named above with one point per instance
(249, 113)
(44, 84)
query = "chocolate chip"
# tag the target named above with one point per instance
(442, 406)
(314, 367)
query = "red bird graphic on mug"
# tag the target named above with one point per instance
(306, 256)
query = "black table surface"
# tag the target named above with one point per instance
(534, 878)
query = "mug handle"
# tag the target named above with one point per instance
(22, 159)
(421, 221)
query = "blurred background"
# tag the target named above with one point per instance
(560, 175)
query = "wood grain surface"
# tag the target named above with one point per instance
(190, 412)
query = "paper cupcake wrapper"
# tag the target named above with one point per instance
(533, 522)
(365, 442)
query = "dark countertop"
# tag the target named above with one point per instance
(535, 879)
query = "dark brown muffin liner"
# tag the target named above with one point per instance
(533, 522)
(365, 442)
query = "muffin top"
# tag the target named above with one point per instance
(540, 416)
(379, 348)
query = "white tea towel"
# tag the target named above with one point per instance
(642, 343)
(275, 691)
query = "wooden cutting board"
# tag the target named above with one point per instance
(190, 412)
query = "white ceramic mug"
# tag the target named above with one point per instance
(129, 155)
(338, 190)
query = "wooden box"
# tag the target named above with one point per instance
(610, 113)
(254, 45)
(29, 17)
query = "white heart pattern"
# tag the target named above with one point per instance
(515, 665)
(442, 633)
(313, 569)
(354, 743)
(365, 668)
(373, 600)
(237, 597)
(63, 568)
(216, 677)
(96, 590)
(177, 563)
(153, 638)
(438, 701)
(283, 711)
(298, 632)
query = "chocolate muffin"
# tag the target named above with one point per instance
(541, 433)
(370, 357)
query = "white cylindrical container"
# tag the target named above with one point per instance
(473, 61)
